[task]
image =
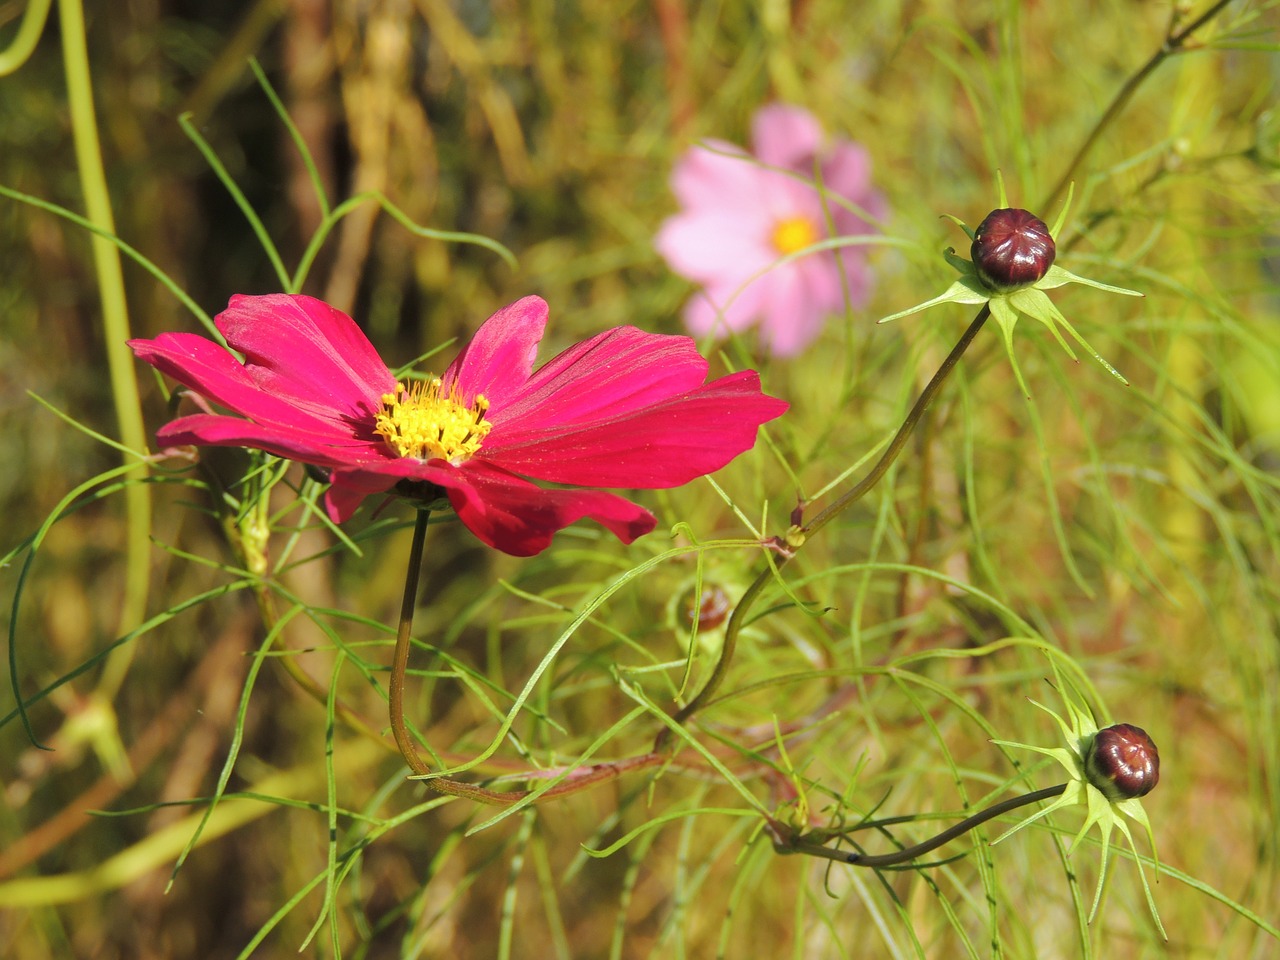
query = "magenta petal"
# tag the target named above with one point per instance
(207, 368)
(519, 518)
(293, 443)
(348, 490)
(665, 444)
(500, 356)
(308, 353)
(350, 485)
(613, 373)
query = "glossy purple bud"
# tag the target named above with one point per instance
(1012, 248)
(1123, 762)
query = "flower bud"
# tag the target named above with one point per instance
(1011, 249)
(713, 610)
(1123, 762)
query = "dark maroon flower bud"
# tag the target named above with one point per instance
(1011, 249)
(714, 609)
(1123, 762)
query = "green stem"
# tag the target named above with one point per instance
(1173, 43)
(400, 660)
(738, 617)
(907, 854)
(115, 323)
(24, 41)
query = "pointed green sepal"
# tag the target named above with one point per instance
(964, 290)
(1057, 277)
(959, 223)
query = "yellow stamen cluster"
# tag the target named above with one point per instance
(425, 422)
(792, 234)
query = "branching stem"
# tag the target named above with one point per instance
(874, 475)
(1173, 43)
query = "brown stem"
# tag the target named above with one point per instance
(1173, 43)
(907, 854)
(400, 659)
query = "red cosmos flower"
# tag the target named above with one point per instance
(623, 409)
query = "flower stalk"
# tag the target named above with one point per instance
(907, 854)
(400, 659)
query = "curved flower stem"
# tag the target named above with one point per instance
(908, 854)
(796, 540)
(24, 41)
(1173, 43)
(904, 432)
(400, 660)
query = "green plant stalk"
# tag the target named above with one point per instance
(907, 854)
(799, 535)
(115, 323)
(24, 41)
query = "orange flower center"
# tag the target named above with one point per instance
(425, 422)
(792, 234)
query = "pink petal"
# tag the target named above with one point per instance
(706, 246)
(706, 179)
(786, 136)
(308, 353)
(207, 368)
(722, 309)
(519, 518)
(858, 276)
(613, 373)
(799, 303)
(665, 444)
(500, 356)
(847, 172)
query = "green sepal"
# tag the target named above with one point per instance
(1057, 277)
(964, 290)
(1007, 318)
(1035, 303)
(961, 224)
(963, 267)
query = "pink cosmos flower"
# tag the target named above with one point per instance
(739, 217)
(623, 409)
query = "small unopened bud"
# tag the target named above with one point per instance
(1123, 762)
(1012, 248)
(713, 610)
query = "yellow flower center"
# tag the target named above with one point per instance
(423, 422)
(792, 234)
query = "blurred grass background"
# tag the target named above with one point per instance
(1135, 529)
